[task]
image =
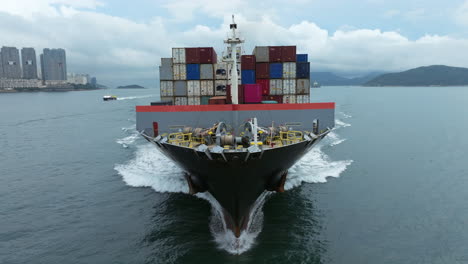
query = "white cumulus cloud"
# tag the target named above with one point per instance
(115, 48)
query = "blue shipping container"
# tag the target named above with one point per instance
(276, 70)
(248, 77)
(303, 70)
(193, 71)
(302, 58)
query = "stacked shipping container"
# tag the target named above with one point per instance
(283, 74)
(276, 73)
(188, 78)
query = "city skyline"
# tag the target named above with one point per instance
(53, 65)
(24, 72)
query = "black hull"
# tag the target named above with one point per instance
(235, 180)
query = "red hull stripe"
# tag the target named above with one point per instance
(240, 107)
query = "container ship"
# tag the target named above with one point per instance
(235, 124)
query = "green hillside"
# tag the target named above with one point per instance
(436, 75)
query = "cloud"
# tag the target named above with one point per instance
(29, 8)
(184, 10)
(411, 15)
(415, 14)
(392, 13)
(461, 14)
(117, 49)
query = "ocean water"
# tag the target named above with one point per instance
(388, 185)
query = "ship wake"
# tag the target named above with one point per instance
(316, 166)
(132, 136)
(224, 237)
(135, 97)
(149, 168)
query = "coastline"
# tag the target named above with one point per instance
(35, 90)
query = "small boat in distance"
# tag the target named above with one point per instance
(316, 85)
(109, 97)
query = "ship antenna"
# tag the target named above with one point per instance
(234, 40)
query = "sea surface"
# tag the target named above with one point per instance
(388, 185)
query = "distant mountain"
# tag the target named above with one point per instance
(331, 79)
(133, 86)
(436, 75)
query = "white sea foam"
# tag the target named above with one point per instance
(315, 167)
(150, 168)
(128, 140)
(340, 124)
(133, 135)
(135, 97)
(344, 115)
(224, 237)
(334, 139)
(129, 128)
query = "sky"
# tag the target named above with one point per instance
(122, 42)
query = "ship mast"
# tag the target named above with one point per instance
(234, 41)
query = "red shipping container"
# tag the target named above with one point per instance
(207, 55)
(265, 83)
(288, 53)
(217, 100)
(248, 62)
(240, 94)
(252, 93)
(275, 53)
(262, 71)
(192, 55)
(277, 98)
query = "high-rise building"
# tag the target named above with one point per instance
(93, 81)
(28, 59)
(11, 63)
(77, 78)
(54, 65)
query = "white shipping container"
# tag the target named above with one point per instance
(303, 86)
(289, 86)
(276, 87)
(178, 55)
(289, 70)
(181, 100)
(221, 71)
(220, 87)
(193, 100)
(207, 88)
(261, 54)
(180, 71)
(193, 88)
(289, 99)
(167, 88)
(303, 99)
